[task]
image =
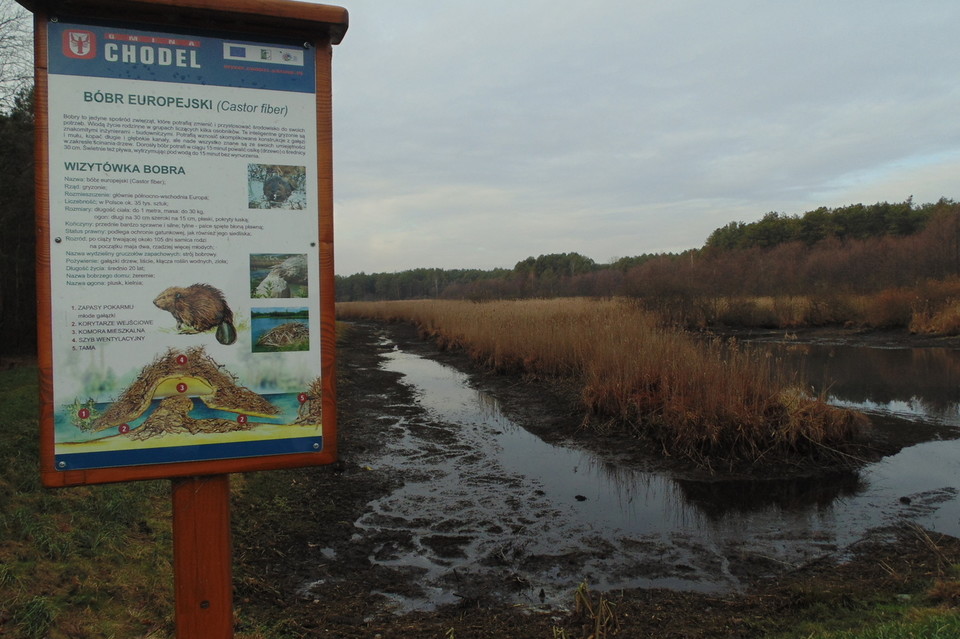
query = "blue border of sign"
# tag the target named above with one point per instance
(198, 452)
(183, 57)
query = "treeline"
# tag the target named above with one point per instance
(553, 275)
(854, 222)
(281, 314)
(18, 301)
(419, 283)
(854, 249)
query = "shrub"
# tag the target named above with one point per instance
(892, 308)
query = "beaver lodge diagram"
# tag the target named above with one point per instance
(172, 385)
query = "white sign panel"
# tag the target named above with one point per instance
(184, 257)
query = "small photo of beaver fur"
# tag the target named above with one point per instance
(278, 275)
(199, 308)
(276, 186)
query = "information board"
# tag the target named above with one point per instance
(184, 253)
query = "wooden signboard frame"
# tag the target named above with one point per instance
(318, 27)
(200, 486)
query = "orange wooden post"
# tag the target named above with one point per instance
(202, 571)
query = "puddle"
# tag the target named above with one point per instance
(484, 500)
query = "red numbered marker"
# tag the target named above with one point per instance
(302, 398)
(181, 359)
(241, 419)
(83, 413)
(124, 429)
(181, 388)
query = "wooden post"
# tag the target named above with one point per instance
(202, 571)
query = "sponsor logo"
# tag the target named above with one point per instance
(260, 54)
(79, 44)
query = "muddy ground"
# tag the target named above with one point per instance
(305, 569)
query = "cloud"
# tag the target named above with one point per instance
(474, 135)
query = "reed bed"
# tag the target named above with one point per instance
(708, 401)
(931, 307)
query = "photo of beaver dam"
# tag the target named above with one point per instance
(274, 186)
(280, 329)
(197, 309)
(185, 394)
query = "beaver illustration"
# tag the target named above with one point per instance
(199, 308)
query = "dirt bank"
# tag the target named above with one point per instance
(305, 566)
(895, 338)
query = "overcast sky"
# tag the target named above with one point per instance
(475, 134)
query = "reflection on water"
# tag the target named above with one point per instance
(499, 491)
(717, 499)
(922, 383)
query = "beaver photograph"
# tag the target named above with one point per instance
(276, 186)
(197, 309)
(277, 189)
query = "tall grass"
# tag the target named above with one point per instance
(707, 401)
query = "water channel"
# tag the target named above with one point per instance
(483, 494)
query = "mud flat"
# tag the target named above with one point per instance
(437, 520)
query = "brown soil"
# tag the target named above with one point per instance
(303, 571)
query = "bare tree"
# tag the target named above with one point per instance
(16, 52)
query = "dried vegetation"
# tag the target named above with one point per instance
(708, 401)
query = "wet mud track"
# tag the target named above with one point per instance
(429, 517)
(487, 510)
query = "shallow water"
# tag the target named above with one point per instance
(919, 384)
(482, 494)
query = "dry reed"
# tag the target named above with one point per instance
(710, 402)
(930, 307)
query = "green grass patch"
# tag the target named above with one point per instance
(77, 562)
(915, 609)
(907, 623)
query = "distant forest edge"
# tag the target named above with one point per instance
(853, 250)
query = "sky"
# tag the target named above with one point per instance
(476, 134)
